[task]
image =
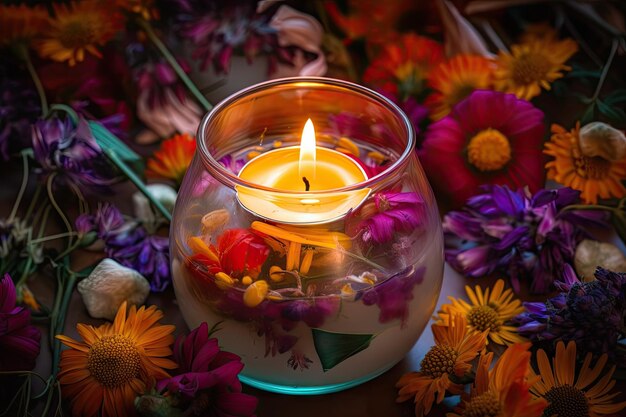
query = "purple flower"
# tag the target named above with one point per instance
(217, 28)
(392, 296)
(71, 153)
(232, 164)
(19, 340)
(416, 112)
(527, 237)
(589, 313)
(384, 214)
(207, 381)
(19, 108)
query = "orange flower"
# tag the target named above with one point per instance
(503, 391)
(173, 158)
(21, 23)
(593, 176)
(402, 67)
(77, 30)
(455, 348)
(456, 79)
(104, 373)
(143, 8)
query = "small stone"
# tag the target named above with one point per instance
(600, 139)
(590, 254)
(142, 208)
(109, 285)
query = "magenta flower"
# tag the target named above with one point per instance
(488, 138)
(207, 381)
(384, 214)
(19, 340)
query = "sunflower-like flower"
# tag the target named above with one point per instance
(455, 348)
(503, 391)
(455, 79)
(532, 66)
(594, 176)
(488, 311)
(77, 30)
(104, 373)
(401, 68)
(21, 24)
(571, 393)
(172, 159)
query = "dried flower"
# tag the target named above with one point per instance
(588, 313)
(206, 380)
(103, 373)
(172, 159)
(525, 236)
(595, 176)
(488, 138)
(19, 340)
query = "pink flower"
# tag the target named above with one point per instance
(19, 340)
(488, 138)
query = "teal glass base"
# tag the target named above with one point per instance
(309, 390)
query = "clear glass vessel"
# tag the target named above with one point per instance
(316, 290)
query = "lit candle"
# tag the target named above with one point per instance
(310, 169)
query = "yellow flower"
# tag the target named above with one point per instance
(104, 373)
(503, 391)
(173, 158)
(455, 79)
(593, 176)
(77, 30)
(488, 311)
(531, 66)
(571, 393)
(21, 24)
(455, 348)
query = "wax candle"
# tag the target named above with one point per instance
(311, 170)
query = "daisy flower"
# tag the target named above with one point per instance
(594, 176)
(488, 138)
(103, 373)
(571, 393)
(503, 391)
(401, 68)
(172, 159)
(455, 348)
(455, 79)
(532, 66)
(488, 311)
(77, 30)
(21, 23)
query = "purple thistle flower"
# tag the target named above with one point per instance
(384, 214)
(589, 313)
(19, 108)
(527, 237)
(71, 152)
(392, 296)
(207, 381)
(19, 340)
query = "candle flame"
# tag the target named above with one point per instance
(306, 167)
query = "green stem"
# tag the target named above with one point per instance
(60, 325)
(23, 52)
(588, 207)
(56, 206)
(33, 201)
(20, 194)
(53, 237)
(145, 25)
(130, 174)
(605, 69)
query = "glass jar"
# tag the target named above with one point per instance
(316, 290)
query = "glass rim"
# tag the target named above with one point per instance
(225, 175)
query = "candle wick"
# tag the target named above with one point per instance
(307, 186)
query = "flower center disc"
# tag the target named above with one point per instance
(439, 360)
(483, 318)
(594, 167)
(484, 405)
(489, 150)
(113, 360)
(529, 68)
(77, 33)
(566, 401)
